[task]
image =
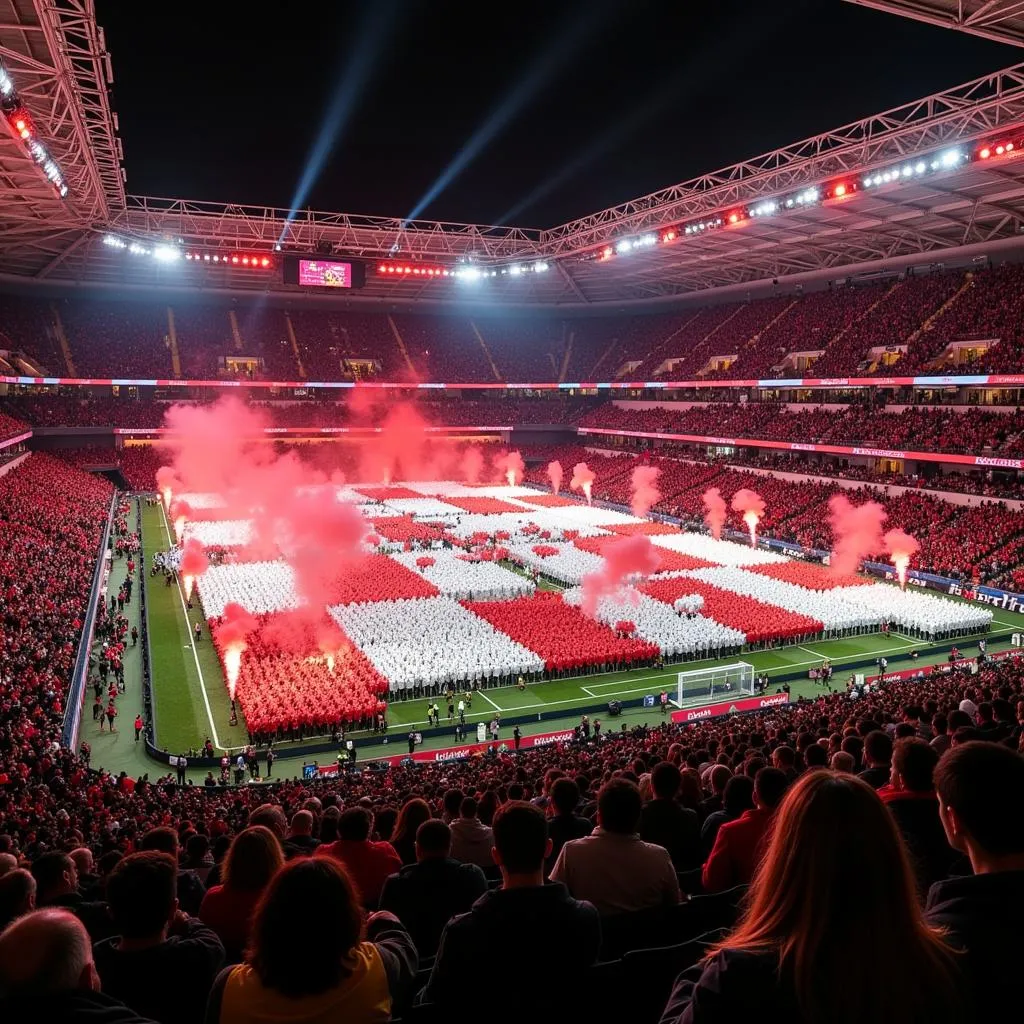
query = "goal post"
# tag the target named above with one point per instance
(718, 682)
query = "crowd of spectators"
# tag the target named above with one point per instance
(919, 428)
(133, 339)
(10, 426)
(161, 902)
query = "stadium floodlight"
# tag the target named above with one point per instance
(540, 266)
(166, 253)
(624, 245)
(6, 85)
(515, 270)
(114, 242)
(951, 157)
(138, 250)
(469, 274)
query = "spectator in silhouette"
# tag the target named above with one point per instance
(47, 973)
(253, 860)
(910, 797)
(739, 797)
(17, 895)
(300, 841)
(368, 863)
(424, 896)
(161, 962)
(980, 790)
(413, 813)
(665, 822)
(877, 759)
(523, 914)
(471, 839)
(740, 844)
(313, 958)
(191, 889)
(613, 868)
(565, 824)
(57, 886)
(813, 944)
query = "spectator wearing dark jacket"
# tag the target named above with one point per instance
(57, 886)
(424, 896)
(878, 758)
(565, 824)
(910, 797)
(665, 822)
(300, 841)
(981, 804)
(161, 962)
(524, 914)
(191, 889)
(47, 974)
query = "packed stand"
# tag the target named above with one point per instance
(117, 339)
(639, 850)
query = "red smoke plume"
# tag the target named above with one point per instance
(716, 512)
(235, 626)
(901, 547)
(751, 504)
(472, 464)
(555, 476)
(622, 558)
(582, 479)
(511, 466)
(293, 509)
(398, 452)
(856, 532)
(645, 493)
(193, 563)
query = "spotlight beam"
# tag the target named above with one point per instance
(379, 20)
(573, 34)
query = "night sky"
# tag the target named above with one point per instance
(567, 107)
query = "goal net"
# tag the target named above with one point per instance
(701, 684)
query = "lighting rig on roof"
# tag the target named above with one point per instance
(393, 270)
(838, 189)
(20, 123)
(169, 252)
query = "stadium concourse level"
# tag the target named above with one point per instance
(968, 320)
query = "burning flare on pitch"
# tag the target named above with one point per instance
(582, 479)
(235, 626)
(512, 466)
(750, 505)
(901, 547)
(193, 563)
(555, 476)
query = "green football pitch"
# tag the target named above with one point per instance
(191, 701)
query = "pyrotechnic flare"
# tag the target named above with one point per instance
(751, 505)
(235, 626)
(901, 547)
(857, 532)
(716, 511)
(582, 479)
(166, 484)
(555, 476)
(645, 491)
(180, 513)
(512, 466)
(472, 464)
(193, 563)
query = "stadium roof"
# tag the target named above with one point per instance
(999, 20)
(56, 56)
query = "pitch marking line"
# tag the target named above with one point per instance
(195, 655)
